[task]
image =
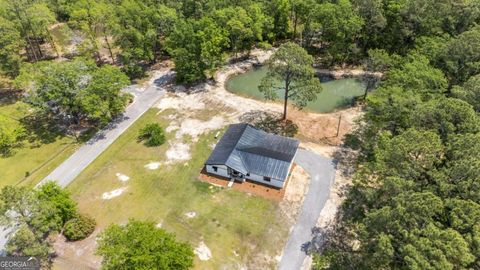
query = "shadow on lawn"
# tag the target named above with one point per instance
(40, 129)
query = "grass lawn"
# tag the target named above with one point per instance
(35, 157)
(238, 228)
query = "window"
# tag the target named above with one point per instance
(248, 174)
(215, 168)
(265, 178)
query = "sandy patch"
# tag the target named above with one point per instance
(343, 179)
(203, 252)
(178, 152)
(172, 127)
(159, 225)
(180, 101)
(122, 177)
(194, 128)
(191, 214)
(212, 95)
(295, 193)
(153, 165)
(114, 193)
(78, 254)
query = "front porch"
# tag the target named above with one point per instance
(246, 185)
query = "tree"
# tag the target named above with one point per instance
(93, 18)
(239, 27)
(139, 29)
(9, 136)
(140, 245)
(417, 75)
(292, 66)
(470, 92)
(102, 99)
(152, 134)
(339, 27)
(75, 92)
(34, 215)
(447, 116)
(410, 155)
(461, 57)
(79, 227)
(59, 198)
(11, 45)
(196, 46)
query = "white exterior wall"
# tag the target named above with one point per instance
(259, 179)
(221, 170)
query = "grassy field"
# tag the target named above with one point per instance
(238, 228)
(34, 158)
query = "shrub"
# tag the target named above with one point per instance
(79, 228)
(152, 134)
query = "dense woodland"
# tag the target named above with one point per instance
(415, 202)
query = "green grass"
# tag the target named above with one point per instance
(34, 158)
(227, 220)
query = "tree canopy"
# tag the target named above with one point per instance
(141, 245)
(290, 71)
(75, 91)
(34, 215)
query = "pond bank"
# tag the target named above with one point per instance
(347, 73)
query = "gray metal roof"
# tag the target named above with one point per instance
(250, 150)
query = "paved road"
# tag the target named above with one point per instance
(87, 153)
(322, 175)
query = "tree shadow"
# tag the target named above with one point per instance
(270, 122)
(41, 129)
(8, 97)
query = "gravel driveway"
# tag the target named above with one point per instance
(322, 176)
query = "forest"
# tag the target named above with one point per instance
(415, 200)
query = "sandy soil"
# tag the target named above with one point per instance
(315, 127)
(114, 193)
(203, 252)
(208, 107)
(295, 193)
(79, 253)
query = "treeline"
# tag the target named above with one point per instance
(199, 34)
(415, 201)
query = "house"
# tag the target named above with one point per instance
(247, 153)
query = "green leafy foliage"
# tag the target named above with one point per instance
(76, 91)
(292, 66)
(196, 46)
(140, 245)
(79, 227)
(9, 137)
(469, 92)
(35, 215)
(152, 134)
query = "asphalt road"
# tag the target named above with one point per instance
(87, 153)
(322, 176)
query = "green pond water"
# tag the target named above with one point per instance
(336, 93)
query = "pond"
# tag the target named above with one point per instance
(336, 93)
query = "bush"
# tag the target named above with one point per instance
(152, 134)
(264, 45)
(79, 228)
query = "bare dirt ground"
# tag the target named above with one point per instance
(327, 128)
(79, 253)
(295, 193)
(209, 106)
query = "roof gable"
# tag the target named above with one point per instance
(249, 150)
